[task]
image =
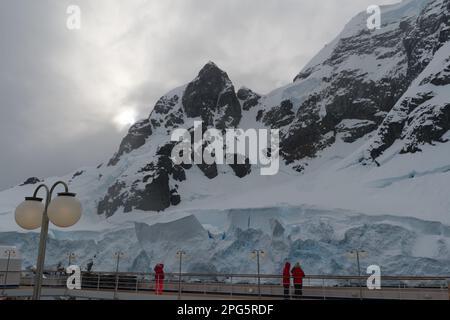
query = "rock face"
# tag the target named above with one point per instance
(136, 137)
(383, 66)
(279, 116)
(353, 129)
(32, 180)
(421, 116)
(248, 98)
(378, 87)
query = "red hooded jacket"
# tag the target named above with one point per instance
(298, 275)
(159, 271)
(287, 275)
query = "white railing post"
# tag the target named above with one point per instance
(231, 289)
(204, 287)
(323, 289)
(448, 288)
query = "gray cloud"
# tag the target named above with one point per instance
(61, 90)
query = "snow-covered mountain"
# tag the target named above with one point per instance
(365, 162)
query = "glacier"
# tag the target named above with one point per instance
(221, 241)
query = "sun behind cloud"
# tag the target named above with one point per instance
(125, 118)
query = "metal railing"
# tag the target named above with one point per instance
(248, 286)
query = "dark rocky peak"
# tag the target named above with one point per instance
(249, 98)
(211, 71)
(211, 96)
(32, 180)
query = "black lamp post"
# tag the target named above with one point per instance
(63, 211)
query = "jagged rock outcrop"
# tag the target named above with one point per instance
(249, 99)
(136, 137)
(32, 180)
(211, 97)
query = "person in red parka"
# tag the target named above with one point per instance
(298, 275)
(287, 279)
(159, 278)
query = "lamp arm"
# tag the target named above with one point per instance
(42, 186)
(49, 192)
(66, 187)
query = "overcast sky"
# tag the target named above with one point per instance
(66, 95)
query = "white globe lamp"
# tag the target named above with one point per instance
(29, 213)
(65, 210)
